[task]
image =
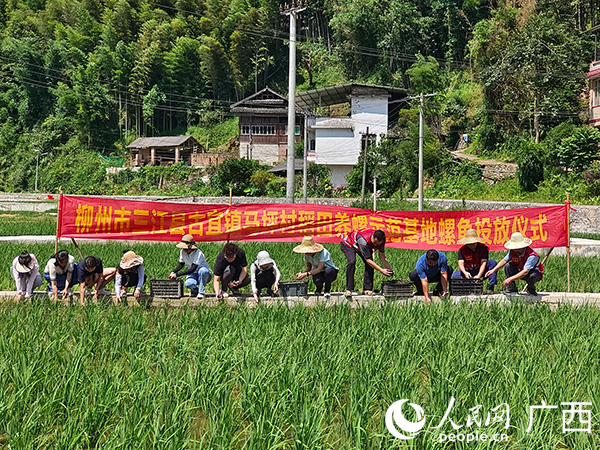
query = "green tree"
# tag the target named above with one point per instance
(577, 151)
(151, 100)
(531, 167)
(531, 70)
(426, 77)
(235, 174)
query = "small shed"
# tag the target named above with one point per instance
(165, 150)
(281, 169)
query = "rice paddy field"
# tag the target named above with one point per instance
(19, 223)
(291, 378)
(113, 377)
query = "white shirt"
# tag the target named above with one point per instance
(255, 269)
(25, 281)
(53, 270)
(196, 257)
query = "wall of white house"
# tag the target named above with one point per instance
(266, 153)
(336, 146)
(338, 175)
(371, 112)
(339, 148)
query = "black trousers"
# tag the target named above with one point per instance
(265, 279)
(350, 255)
(414, 277)
(326, 277)
(230, 274)
(531, 278)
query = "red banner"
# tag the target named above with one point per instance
(105, 218)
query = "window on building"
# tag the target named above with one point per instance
(258, 129)
(596, 92)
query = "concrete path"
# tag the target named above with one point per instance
(552, 299)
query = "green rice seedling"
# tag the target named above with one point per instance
(275, 377)
(19, 223)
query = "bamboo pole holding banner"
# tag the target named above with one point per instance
(568, 243)
(57, 221)
(77, 247)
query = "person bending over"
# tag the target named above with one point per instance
(364, 242)
(231, 271)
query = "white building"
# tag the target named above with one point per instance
(338, 141)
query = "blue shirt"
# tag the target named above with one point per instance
(322, 256)
(426, 271)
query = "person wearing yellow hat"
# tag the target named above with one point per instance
(130, 273)
(319, 265)
(521, 263)
(25, 270)
(474, 260)
(197, 274)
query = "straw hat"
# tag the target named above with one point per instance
(23, 263)
(471, 237)
(130, 259)
(517, 241)
(264, 258)
(187, 242)
(308, 246)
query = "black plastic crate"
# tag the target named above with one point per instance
(397, 288)
(293, 289)
(166, 288)
(466, 286)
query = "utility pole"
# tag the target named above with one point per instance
(421, 98)
(37, 165)
(364, 175)
(305, 162)
(421, 152)
(291, 10)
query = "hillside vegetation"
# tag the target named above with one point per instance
(79, 78)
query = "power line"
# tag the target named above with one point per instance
(61, 77)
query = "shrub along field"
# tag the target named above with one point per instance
(161, 258)
(290, 378)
